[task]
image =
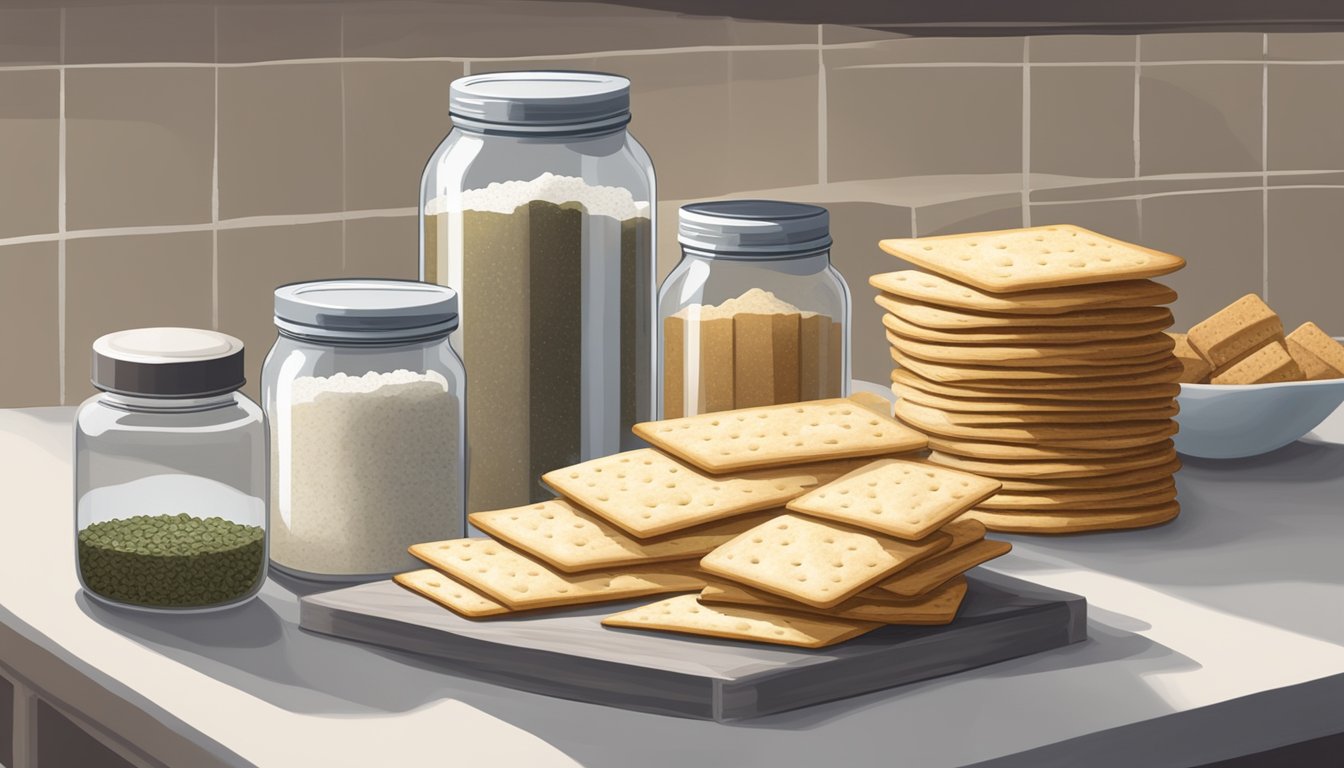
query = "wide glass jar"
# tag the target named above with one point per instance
(170, 480)
(538, 209)
(754, 313)
(364, 397)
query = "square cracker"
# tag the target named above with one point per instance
(815, 562)
(939, 291)
(1323, 355)
(1076, 522)
(647, 493)
(572, 539)
(1136, 321)
(937, 570)
(779, 435)
(522, 583)
(1035, 257)
(687, 615)
(1270, 363)
(1195, 367)
(1240, 327)
(939, 606)
(1095, 470)
(450, 593)
(905, 499)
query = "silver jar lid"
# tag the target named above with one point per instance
(540, 102)
(167, 362)
(366, 310)
(748, 228)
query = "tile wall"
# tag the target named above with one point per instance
(172, 163)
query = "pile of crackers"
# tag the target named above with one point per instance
(1244, 343)
(1038, 357)
(804, 524)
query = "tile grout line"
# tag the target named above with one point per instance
(214, 193)
(1264, 167)
(1137, 129)
(914, 222)
(1026, 131)
(344, 202)
(823, 117)
(60, 221)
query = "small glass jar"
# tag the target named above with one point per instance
(365, 400)
(753, 314)
(538, 209)
(170, 478)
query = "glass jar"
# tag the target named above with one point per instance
(364, 397)
(538, 209)
(170, 474)
(753, 314)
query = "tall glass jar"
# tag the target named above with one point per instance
(538, 208)
(364, 397)
(754, 313)
(170, 480)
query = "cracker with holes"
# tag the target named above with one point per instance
(687, 615)
(815, 562)
(1011, 260)
(450, 593)
(938, 606)
(573, 540)
(646, 493)
(1241, 327)
(938, 570)
(522, 583)
(942, 292)
(1319, 356)
(779, 435)
(904, 499)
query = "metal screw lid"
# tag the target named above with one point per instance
(167, 362)
(540, 102)
(366, 310)
(754, 228)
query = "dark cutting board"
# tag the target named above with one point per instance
(569, 654)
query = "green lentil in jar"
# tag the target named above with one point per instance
(171, 561)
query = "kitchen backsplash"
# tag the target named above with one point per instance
(172, 164)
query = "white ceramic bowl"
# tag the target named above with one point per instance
(1224, 421)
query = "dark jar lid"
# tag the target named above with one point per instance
(366, 310)
(167, 362)
(540, 102)
(754, 228)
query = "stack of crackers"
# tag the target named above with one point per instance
(805, 524)
(1037, 357)
(1244, 343)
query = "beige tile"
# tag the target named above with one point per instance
(139, 146)
(717, 122)
(1092, 190)
(1070, 48)
(1305, 272)
(506, 29)
(161, 32)
(1082, 121)
(899, 121)
(1199, 118)
(382, 247)
(753, 32)
(975, 214)
(396, 113)
(1306, 114)
(277, 31)
(1219, 234)
(30, 35)
(1201, 46)
(839, 34)
(1199, 183)
(1116, 218)
(113, 283)
(1315, 178)
(280, 140)
(1306, 46)
(253, 263)
(29, 151)
(856, 228)
(30, 333)
(922, 50)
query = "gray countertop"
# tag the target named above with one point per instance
(1230, 617)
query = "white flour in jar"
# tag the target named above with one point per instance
(363, 467)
